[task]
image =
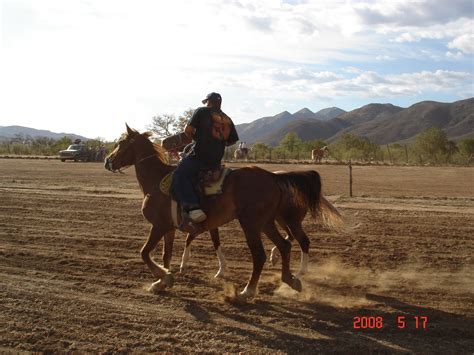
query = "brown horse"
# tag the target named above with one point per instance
(251, 195)
(318, 154)
(293, 208)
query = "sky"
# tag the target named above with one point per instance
(89, 66)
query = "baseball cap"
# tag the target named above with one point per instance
(212, 96)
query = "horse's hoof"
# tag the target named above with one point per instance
(183, 269)
(247, 294)
(166, 282)
(157, 287)
(296, 284)
(168, 279)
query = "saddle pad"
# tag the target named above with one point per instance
(165, 184)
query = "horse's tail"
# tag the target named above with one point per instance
(304, 190)
(331, 216)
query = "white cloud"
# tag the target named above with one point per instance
(406, 37)
(78, 64)
(465, 43)
(454, 55)
(364, 84)
(384, 57)
(412, 13)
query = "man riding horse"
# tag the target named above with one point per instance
(212, 130)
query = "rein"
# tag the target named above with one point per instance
(147, 157)
(138, 162)
(130, 143)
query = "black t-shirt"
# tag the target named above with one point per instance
(213, 130)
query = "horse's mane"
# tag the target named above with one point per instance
(160, 152)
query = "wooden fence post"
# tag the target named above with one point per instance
(389, 154)
(350, 178)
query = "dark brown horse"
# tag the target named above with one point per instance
(251, 195)
(292, 210)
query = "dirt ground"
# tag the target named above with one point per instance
(72, 278)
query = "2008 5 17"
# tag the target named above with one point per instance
(378, 322)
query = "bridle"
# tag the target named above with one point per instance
(109, 161)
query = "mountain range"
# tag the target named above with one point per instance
(9, 132)
(381, 123)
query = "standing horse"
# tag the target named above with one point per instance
(318, 154)
(251, 195)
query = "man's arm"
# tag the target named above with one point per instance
(190, 128)
(189, 131)
(233, 136)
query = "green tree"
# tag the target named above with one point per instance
(466, 146)
(350, 146)
(260, 150)
(183, 120)
(290, 142)
(431, 144)
(163, 125)
(166, 125)
(451, 149)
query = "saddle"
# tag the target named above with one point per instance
(209, 182)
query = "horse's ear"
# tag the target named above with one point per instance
(129, 130)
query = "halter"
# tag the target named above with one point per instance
(129, 144)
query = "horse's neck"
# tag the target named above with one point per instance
(149, 174)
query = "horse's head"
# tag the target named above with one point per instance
(127, 150)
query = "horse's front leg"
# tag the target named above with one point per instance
(165, 277)
(168, 249)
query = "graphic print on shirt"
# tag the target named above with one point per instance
(221, 125)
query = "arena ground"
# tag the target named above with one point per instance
(73, 279)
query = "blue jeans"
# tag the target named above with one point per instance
(183, 182)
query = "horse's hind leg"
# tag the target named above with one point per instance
(254, 242)
(220, 256)
(303, 240)
(274, 255)
(168, 249)
(284, 247)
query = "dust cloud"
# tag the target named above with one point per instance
(344, 286)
